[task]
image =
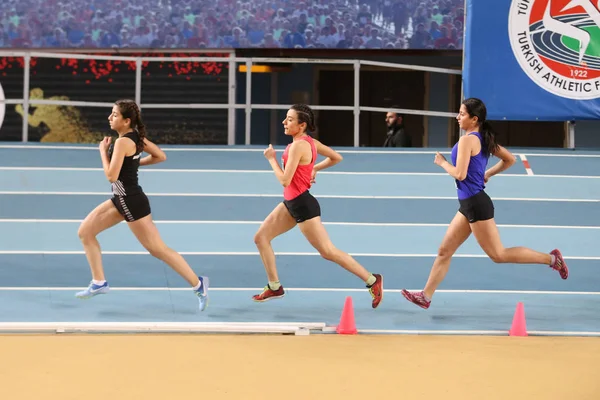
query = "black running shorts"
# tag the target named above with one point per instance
(303, 207)
(478, 207)
(132, 207)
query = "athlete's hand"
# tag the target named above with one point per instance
(105, 143)
(439, 159)
(486, 177)
(269, 152)
(313, 176)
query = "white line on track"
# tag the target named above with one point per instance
(207, 222)
(258, 149)
(248, 289)
(529, 172)
(255, 253)
(278, 195)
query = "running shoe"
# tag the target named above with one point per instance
(202, 292)
(417, 298)
(93, 290)
(269, 294)
(376, 290)
(559, 264)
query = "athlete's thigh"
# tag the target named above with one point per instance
(487, 235)
(147, 233)
(277, 223)
(314, 231)
(458, 231)
(104, 216)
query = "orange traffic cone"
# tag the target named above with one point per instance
(519, 326)
(347, 324)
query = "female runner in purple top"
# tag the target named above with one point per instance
(476, 213)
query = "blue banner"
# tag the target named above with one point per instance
(534, 59)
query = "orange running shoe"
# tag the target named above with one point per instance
(376, 290)
(269, 294)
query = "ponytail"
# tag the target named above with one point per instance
(141, 129)
(489, 138)
(476, 108)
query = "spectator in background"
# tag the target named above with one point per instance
(420, 39)
(340, 34)
(294, 38)
(302, 23)
(400, 16)
(59, 39)
(302, 10)
(309, 38)
(364, 17)
(215, 41)
(345, 43)
(374, 42)
(326, 38)
(436, 16)
(269, 42)
(235, 39)
(396, 135)
(434, 31)
(110, 39)
(255, 33)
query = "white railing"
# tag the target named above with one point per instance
(231, 105)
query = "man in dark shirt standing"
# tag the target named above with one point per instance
(396, 136)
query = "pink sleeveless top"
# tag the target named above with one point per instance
(301, 180)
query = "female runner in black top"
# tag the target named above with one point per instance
(120, 163)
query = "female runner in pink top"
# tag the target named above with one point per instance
(300, 207)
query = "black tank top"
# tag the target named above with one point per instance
(127, 182)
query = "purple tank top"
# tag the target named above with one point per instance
(473, 183)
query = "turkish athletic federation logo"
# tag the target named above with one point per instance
(557, 43)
